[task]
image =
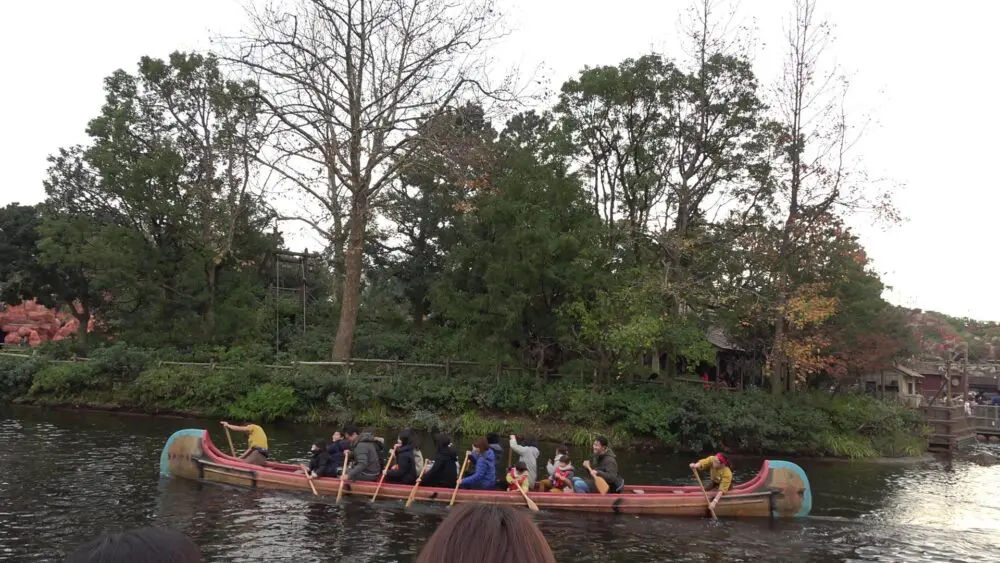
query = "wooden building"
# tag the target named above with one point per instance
(898, 382)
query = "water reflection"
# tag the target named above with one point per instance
(65, 477)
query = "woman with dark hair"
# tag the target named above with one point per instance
(405, 469)
(443, 470)
(721, 475)
(484, 476)
(142, 545)
(486, 534)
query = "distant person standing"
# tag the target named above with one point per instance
(257, 452)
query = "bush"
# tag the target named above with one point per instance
(267, 403)
(172, 387)
(119, 362)
(16, 375)
(64, 380)
(679, 416)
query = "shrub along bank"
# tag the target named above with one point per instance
(676, 416)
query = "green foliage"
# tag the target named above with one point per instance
(17, 374)
(119, 362)
(64, 380)
(267, 403)
(678, 416)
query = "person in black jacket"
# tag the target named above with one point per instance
(321, 465)
(336, 449)
(405, 469)
(443, 471)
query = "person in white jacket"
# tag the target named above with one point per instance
(528, 453)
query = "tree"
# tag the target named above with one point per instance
(165, 201)
(527, 245)
(615, 118)
(27, 271)
(720, 145)
(813, 178)
(428, 196)
(348, 82)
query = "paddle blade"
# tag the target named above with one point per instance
(602, 485)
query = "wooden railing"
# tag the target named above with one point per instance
(986, 419)
(389, 368)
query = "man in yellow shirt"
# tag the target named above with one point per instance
(721, 473)
(256, 442)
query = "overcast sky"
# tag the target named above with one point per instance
(924, 73)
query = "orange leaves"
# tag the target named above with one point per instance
(808, 353)
(808, 306)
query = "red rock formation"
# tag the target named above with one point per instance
(37, 324)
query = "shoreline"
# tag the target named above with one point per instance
(544, 431)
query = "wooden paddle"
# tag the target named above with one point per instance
(468, 456)
(704, 492)
(531, 504)
(599, 482)
(388, 464)
(229, 437)
(309, 478)
(413, 491)
(343, 475)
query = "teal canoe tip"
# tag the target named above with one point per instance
(806, 506)
(164, 460)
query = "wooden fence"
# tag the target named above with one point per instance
(986, 420)
(390, 368)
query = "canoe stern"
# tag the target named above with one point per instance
(179, 453)
(793, 496)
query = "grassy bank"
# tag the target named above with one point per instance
(676, 417)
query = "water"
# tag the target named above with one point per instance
(67, 476)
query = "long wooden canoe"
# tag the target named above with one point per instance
(780, 490)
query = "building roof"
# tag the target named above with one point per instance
(720, 339)
(907, 371)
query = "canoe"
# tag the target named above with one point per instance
(780, 490)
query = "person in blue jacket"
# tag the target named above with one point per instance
(485, 475)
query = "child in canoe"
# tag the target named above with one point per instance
(550, 466)
(721, 475)
(517, 477)
(562, 475)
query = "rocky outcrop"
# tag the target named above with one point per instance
(33, 324)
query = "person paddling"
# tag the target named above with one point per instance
(321, 464)
(484, 476)
(338, 445)
(721, 475)
(365, 454)
(405, 469)
(528, 453)
(603, 464)
(443, 471)
(257, 452)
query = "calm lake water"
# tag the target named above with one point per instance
(68, 476)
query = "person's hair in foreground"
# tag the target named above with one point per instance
(487, 533)
(142, 545)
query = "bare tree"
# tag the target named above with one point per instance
(816, 181)
(348, 82)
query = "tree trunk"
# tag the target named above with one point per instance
(212, 275)
(779, 363)
(351, 301)
(83, 317)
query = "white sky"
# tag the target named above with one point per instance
(921, 71)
